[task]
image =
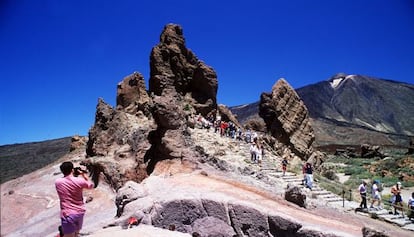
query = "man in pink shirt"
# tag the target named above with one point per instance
(72, 207)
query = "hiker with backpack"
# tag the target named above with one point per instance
(376, 194)
(70, 192)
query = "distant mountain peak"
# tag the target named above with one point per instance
(337, 80)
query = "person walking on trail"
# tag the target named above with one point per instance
(309, 175)
(411, 206)
(363, 192)
(397, 199)
(284, 165)
(70, 192)
(376, 195)
(253, 152)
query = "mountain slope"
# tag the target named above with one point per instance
(20, 159)
(354, 109)
(381, 105)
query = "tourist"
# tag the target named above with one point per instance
(309, 175)
(397, 199)
(376, 195)
(411, 206)
(259, 152)
(284, 165)
(253, 152)
(72, 206)
(363, 192)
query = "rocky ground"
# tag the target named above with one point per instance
(29, 204)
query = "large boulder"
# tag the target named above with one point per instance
(370, 232)
(296, 195)
(283, 227)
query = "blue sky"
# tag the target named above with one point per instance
(59, 56)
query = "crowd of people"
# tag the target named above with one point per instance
(396, 200)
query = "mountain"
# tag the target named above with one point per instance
(352, 109)
(20, 159)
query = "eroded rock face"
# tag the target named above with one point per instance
(174, 67)
(287, 119)
(178, 80)
(117, 145)
(132, 96)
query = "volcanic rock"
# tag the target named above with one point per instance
(296, 195)
(227, 115)
(212, 227)
(118, 144)
(369, 151)
(174, 67)
(286, 118)
(132, 95)
(77, 142)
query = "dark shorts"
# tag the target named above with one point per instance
(72, 223)
(398, 198)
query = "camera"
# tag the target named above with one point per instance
(78, 170)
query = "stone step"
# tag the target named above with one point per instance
(333, 199)
(320, 192)
(398, 220)
(409, 226)
(291, 178)
(378, 211)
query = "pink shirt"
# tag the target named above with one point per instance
(69, 189)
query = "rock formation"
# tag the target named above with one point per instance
(370, 151)
(127, 142)
(286, 118)
(132, 96)
(177, 79)
(227, 115)
(175, 68)
(117, 144)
